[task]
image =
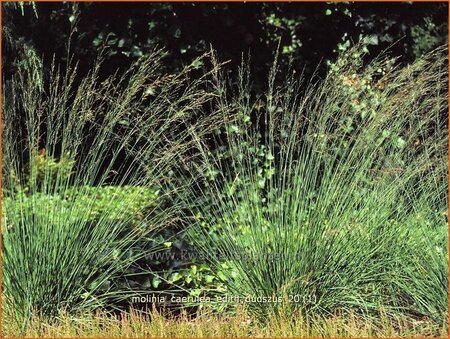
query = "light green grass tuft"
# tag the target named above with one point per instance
(67, 138)
(337, 199)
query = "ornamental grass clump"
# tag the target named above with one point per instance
(82, 155)
(332, 194)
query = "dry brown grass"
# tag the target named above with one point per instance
(208, 324)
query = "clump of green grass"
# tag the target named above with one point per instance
(66, 138)
(332, 194)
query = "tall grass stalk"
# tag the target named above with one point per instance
(332, 194)
(63, 133)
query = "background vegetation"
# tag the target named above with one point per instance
(308, 34)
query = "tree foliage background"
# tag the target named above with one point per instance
(307, 34)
